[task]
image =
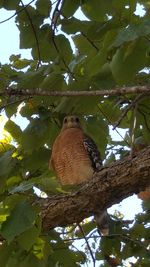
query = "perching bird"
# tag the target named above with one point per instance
(75, 158)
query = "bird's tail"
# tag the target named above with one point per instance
(102, 221)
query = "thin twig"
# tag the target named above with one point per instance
(14, 102)
(145, 109)
(129, 107)
(35, 35)
(62, 59)
(84, 258)
(54, 2)
(123, 236)
(16, 13)
(68, 232)
(92, 43)
(57, 124)
(133, 128)
(145, 119)
(109, 121)
(55, 15)
(47, 92)
(86, 240)
(134, 241)
(109, 236)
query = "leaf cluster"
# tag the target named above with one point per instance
(75, 45)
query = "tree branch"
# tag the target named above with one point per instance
(109, 186)
(129, 107)
(17, 12)
(47, 92)
(88, 246)
(35, 35)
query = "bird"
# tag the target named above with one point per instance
(145, 195)
(75, 158)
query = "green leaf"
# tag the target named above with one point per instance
(38, 159)
(97, 128)
(128, 60)
(94, 65)
(4, 78)
(47, 183)
(137, 231)
(46, 45)
(35, 135)
(146, 205)
(21, 218)
(27, 39)
(13, 181)
(65, 255)
(83, 45)
(5, 252)
(73, 25)
(7, 164)
(64, 49)
(77, 106)
(110, 245)
(32, 261)
(28, 238)
(98, 30)
(10, 5)
(99, 256)
(29, 30)
(44, 7)
(21, 63)
(1, 3)
(132, 32)
(52, 81)
(13, 129)
(30, 79)
(69, 8)
(97, 9)
(111, 111)
(103, 79)
(22, 187)
(11, 109)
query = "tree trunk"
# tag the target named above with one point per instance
(107, 187)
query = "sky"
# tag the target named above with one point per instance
(8, 46)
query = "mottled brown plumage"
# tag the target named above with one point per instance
(75, 158)
(70, 155)
(69, 158)
(145, 195)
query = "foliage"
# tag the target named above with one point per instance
(107, 47)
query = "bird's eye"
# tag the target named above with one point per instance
(65, 120)
(77, 119)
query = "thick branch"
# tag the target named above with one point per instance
(47, 92)
(111, 185)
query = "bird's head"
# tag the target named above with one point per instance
(71, 122)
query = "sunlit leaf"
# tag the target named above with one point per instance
(13, 129)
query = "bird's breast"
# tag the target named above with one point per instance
(70, 158)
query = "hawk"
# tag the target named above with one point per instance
(75, 158)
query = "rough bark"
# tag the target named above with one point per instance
(47, 92)
(109, 186)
